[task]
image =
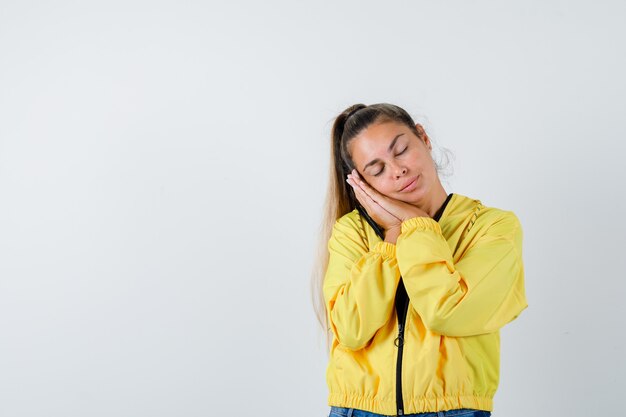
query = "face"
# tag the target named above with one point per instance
(389, 156)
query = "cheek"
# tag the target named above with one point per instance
(384, 187)
(424, 163)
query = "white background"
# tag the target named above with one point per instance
(163, 167)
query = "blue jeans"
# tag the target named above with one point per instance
(460, 412)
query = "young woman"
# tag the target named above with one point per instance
(415, 282)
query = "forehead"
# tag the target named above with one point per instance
(374, 141)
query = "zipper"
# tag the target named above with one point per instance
(402, 306)
(402, 302)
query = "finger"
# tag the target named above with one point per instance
(356, 190)
(372, 192)
(366, 199)
(370, 204)
(366, 187)
(373, 197)
(389, 204)
(362, 196)
(359, 193)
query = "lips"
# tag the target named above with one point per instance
(408, 183)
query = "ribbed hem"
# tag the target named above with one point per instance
(411, 405)
(371, 404)
(386, 249)
(420, 223)
(450, 402)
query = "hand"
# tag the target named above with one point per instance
(375, 210)
(388, 212)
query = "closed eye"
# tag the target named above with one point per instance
(381, 171)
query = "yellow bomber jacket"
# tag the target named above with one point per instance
(464, 277)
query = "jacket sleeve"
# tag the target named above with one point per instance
(359, 284)
(480, 293)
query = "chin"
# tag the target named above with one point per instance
(415, 197)
(408, 198)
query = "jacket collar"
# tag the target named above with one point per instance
(459, 205)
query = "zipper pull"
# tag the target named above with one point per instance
(400, 339)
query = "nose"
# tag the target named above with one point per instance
(400, 171)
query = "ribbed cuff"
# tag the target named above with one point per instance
(386, 249)
(420, 223)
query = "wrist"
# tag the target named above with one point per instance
(391, 235)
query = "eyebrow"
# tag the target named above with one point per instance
(375, 161)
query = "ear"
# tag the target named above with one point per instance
(423, 136)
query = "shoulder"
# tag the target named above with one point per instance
(480, 217)
(348, 234)
(498, 222)
(349, 223)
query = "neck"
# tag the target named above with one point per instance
(436, 199)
